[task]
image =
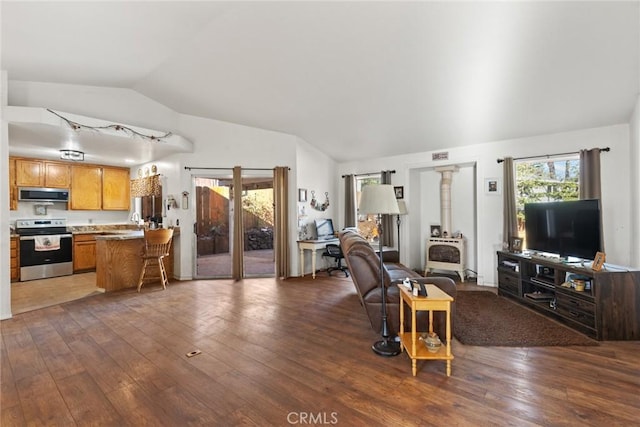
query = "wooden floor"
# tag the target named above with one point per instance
(294, 352)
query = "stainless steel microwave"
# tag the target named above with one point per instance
(33, 194)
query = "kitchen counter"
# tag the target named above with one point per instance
(121, 235)
(118, 260)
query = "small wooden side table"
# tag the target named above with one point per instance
(436, 300)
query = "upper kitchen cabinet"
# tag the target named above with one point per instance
(86, 187)
(57, 175)
(116, 189)
(38, 173)
(29, 173)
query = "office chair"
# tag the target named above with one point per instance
(333, 251)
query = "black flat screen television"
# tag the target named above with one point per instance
(569, 229)
(324, 229)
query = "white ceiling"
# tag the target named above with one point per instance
(355, 79)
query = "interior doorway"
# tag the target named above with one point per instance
(217, 222)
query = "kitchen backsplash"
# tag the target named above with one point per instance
(73, 217)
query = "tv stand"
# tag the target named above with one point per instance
(607, 309)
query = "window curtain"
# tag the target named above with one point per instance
(281, 202)
(350, 201)
(387, 220)
(590, 187)
(590, 174)
(147, 186)
(510, 219)
(238, 227)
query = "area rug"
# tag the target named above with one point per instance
(485, 319)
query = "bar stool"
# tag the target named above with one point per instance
(156, 247)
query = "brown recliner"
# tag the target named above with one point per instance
(364, 265)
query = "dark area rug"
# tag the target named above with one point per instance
(485, 319)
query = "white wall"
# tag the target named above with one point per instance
(74, 217)
(5, 271)
(634, 187)
(316, 172)
(488, 209)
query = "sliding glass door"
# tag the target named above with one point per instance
(234, 238)
(258, 223)
(213, 225)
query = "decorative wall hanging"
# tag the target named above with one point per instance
(117, 127)
(314, 203)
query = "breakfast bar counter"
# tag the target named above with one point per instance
(119, 262)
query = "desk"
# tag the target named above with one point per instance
(313, 246)
(436, 300)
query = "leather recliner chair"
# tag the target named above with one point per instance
(364, 265)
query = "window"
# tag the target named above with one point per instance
(367, 226)
(545, 181)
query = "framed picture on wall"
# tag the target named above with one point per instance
(435, 231)
(302, 194)
(399, 192)
(492, 186)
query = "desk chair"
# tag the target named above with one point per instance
(156, 247)
(333, 251)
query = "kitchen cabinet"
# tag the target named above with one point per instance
(84, 252)
(15, 258)
(39, 173)
(57, 175)
(29, 173)
(13, 189)
(92, 187)
(116, 189)
(86, 187)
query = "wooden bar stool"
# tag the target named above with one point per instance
(156, 247)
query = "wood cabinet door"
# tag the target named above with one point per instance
(116, 189)
(86, 188)
(15, 259)
(29, 173)
(57, 175)
(13, 189)
(84, 253)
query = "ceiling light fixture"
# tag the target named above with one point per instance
(73, 155)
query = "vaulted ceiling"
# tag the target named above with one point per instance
(355, 79)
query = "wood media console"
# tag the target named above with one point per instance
(608, 307)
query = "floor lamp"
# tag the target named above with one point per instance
(402, 207)
(379, 200)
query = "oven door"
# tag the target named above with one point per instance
(47, 263)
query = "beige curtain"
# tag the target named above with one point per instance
(238, 227)
(387, 220)
(590, 174)
(510, 219)
(350, 201)
(281, 202)
(590, 187)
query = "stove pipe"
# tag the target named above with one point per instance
(446, 173)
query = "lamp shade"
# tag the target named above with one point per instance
(378, 199)
(402, 207)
